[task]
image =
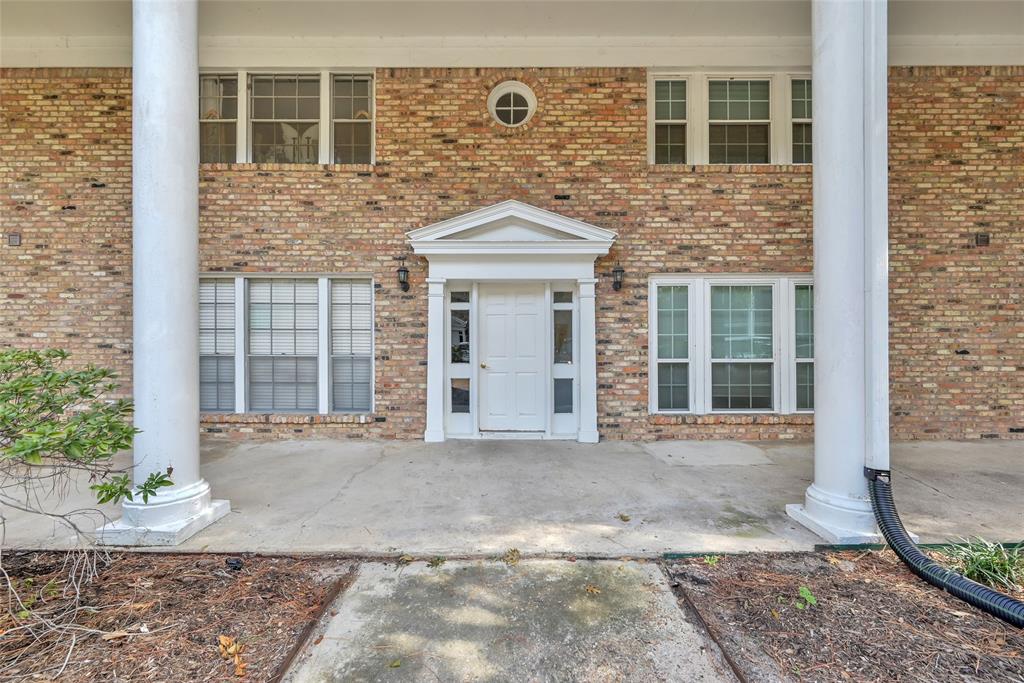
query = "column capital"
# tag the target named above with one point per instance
(435, 286)
(587, 286)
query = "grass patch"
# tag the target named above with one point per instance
(992, 564)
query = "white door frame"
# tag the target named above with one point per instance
(510, 242)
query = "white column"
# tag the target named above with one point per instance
(165, 252)
(435, 360)
(588, 362)
(850, 266)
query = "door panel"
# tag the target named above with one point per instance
(512, 374)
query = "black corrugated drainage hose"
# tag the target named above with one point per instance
(982, 597)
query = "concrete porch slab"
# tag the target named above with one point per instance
(611, 499)
(542, 620)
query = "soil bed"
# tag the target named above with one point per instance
(158, 617)
(873, 620)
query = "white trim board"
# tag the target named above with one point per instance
(239, 52)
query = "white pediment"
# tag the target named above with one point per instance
(511, 227)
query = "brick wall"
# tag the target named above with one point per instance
(66, 150)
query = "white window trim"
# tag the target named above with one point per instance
(780, 126)
(243, 124)
(323, 346)
(699, 339)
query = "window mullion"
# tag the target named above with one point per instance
(781, 127)
(241, 336)
(701, 357)
(323, 357)
(326, 126)
(242, 122)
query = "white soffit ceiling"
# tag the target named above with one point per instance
(505, 32)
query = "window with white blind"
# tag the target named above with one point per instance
(286, 344)
(283, 345)
(724, 343)
(351, 345)
(216, 345)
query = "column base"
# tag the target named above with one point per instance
(433, 436)
(588, 437)
(168, 519)
(838, 520)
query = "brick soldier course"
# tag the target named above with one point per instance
(956, 164)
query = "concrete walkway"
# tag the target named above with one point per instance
(613, 499)
(541, 620)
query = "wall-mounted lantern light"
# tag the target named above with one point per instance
(617, 275)
(403, 278)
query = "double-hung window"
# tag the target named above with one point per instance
(352, 114)
(721, 344)
(283, 345)
(739, 121)
(803, 323)
(285, 115)
(672, 340)
(217, 345)
(351, 344)
(669, 121)
(218, 118)
(742, 347)
(800, 103)
(286, 344)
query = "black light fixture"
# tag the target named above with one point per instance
(403, 278)
(617, 274)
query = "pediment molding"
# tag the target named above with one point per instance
(511, 227)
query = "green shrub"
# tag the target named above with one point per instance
(55, 422)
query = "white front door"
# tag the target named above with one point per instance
(512, 357)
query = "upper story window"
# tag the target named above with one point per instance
(352, 114)
(670, 122)
(755, 117)
(801, 115)
(285, 113)
(218, 114)
(739, 121)
(299, 118)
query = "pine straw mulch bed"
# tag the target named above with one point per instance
(159, 617)
(873, 621)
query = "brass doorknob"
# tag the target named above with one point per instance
(483, 365)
